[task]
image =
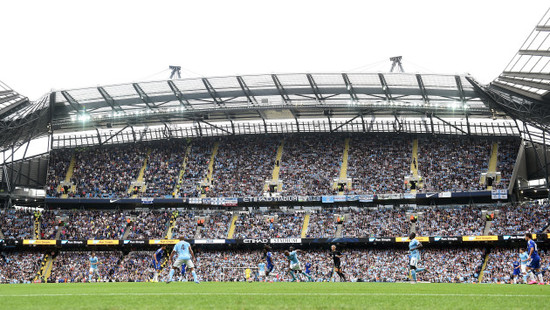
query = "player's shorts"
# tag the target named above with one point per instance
(187, 262)
(523, 268)
(413, 262)
(94, 270)
(516, 272)
(534, 264)
(261, 273)
(295, 266)
(157, 266)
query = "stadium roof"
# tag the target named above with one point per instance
(272, 96)
(528, 73)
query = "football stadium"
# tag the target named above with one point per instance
(281, 190)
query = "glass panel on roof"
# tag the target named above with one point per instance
(398, 79)
(190, 85)
(156, 88)
(259, 81)
(431, 80)
(121, 91)
(291, 80)
(328, 79)
(83, 95)
(364, 79)
(224, 83)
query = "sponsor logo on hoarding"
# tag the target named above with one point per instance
(255, 240)
(285, 240)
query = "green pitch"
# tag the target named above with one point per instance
(273, 295)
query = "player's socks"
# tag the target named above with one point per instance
(308, 276)
(524, 278)
(532, 276)
(195, 276)
(171, 275)
(413, 274)
(293, 276)
(90, 278)
(156, 277)
(541, 280)
(342, 276)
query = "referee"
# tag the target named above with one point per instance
(336, 256)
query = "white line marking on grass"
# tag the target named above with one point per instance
(272, 294)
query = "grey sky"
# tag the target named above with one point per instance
(69, 44)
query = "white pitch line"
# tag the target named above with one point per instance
(272, 294)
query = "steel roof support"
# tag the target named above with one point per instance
(143, 96)
(422, 88)
(74, 104)
(452, 125)
(460, 89)
(534, 53)
(315, 89)
(181, 98)
(528, 75)
(110, 101)
(116, 134)
(346, 122)
(363, 122)
(212, 92)
(527, 83)
(217, 127)
(349, 87)
(280, 88)
(98, 136)
(246, 91)
(385, 87)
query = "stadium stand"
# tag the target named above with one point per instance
(309, 166)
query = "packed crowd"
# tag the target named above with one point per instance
(84, 224)
(442, 266)
(71, 267)
(379, 222)
(520, 219)
(461, 221)
(147, 224)
(163, 168)
(499, 266)
(452, 265)
(57, 169)
(16, 224)
(19, 267)
(507, 155)
(323, 222)
(107, 171)
(196, 168)
(310, 164)
(453, 169)
(269, 225)
(379, 164)
(242, 166)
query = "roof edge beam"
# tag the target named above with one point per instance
(315, 88)
(212, 91)
(280, 88)
(179, 94)
(534, 53)
(349, 87)
(110, 101)
(76, 106)
(246, 91)
(143, 96)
